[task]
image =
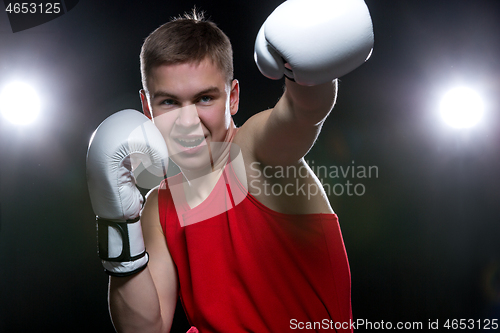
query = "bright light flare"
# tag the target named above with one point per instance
(19, 103)
(462, 107)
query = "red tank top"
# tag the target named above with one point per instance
(252, 269)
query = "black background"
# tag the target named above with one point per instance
(423, 239)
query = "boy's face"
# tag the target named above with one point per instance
(191, 104)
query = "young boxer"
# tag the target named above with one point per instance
(238, 234)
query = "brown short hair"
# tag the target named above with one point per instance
(188, 38)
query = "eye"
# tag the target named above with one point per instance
(205, 99)
(169, 101)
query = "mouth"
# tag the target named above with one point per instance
(189, 142)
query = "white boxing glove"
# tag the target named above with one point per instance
(320, 40)
(118, 146)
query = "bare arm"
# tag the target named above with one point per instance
(145, 302)
(284, 134)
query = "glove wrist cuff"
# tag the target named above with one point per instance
(120, 240)
(121, 246)
(127, 268)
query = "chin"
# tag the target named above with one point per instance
(193, 163)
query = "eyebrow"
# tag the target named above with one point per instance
(165, 94)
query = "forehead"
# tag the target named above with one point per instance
(186, 76)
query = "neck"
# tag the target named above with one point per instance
(198, 184)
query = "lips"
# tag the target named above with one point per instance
(189, 142)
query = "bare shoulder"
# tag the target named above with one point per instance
(290, 188)
(152, 196)
(247, 134)
(160, 261)
(150, 216)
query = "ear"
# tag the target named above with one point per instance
(145, 104)
(234, 97)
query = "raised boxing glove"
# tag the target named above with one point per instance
(118, 146)
(320, 40)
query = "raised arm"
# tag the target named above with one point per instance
(284, 134)
(311, 42)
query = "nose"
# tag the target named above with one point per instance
(187, 117)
